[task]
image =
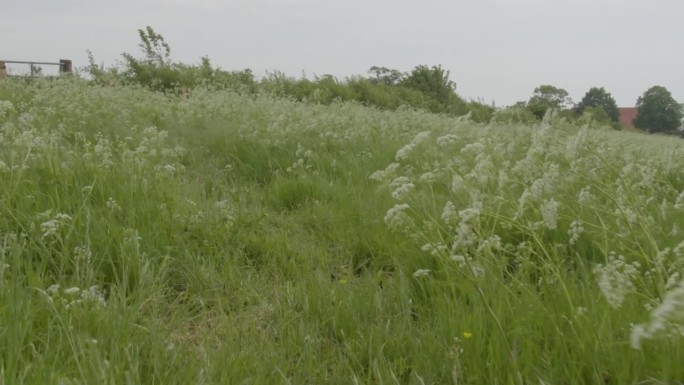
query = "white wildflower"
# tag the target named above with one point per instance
(489, 245)
(679, 250)
(465, 232)
(537, 188)
(94, 296)
(51, 228)
(585, 196)
(434, 249)
(53, 289)
(576, 230)
(82, 253)
(679, 201)
(428, 178)
(626, 213)
(446, 140)
(421, 273)
(71, 291)
(673, 280)
(405, 151)
(473, 149)
(396, 219)
(44, 215)
(615, 279)
(5, 107)
(457, 183)
(197, 217)
(388, 172)
(450, 214)
(523, 201)
(549, 211)
(112, 205)
(401, 186)
(666, 320)
(467, 263)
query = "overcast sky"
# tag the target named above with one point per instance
(496, 50)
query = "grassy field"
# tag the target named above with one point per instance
(228, 239)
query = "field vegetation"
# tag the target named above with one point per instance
(228, 238)
(171, 224)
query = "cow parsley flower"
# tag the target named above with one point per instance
(446, 140)
(396, 219)
(549, 211)
(112, 205)
(401, 186)
(388, 172)
(615, 278)
(51, 228)
(667, 319)
(450, 214)
(576, 230)
(421, 273)
(405, 151)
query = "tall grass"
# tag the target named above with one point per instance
(146, 238)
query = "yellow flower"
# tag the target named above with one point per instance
(467, 335)
(342, 281)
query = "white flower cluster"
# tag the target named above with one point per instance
(401, 186)
(397, 220)
(226, 213)
(666, 320)
(74, 296)
(446, 140)
(585, 197)
(388, 172)
(304, 159)
(679, 201)
(112, 205)
(549, 211)
(466, 237)
(615, 278)
(576, 230)
(83, 253)
(5, 107)
(51, 228)
(405, 151)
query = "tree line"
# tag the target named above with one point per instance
(424, 87)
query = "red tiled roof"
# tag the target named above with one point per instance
(627, 116)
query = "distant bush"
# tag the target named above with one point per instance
(427, 88)
(515, 114)
(156, 70)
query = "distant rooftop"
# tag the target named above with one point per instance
(627, 116)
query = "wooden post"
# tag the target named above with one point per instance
(3, 70)
(65, 66)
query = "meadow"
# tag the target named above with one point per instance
(222, 238)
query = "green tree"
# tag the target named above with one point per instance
(157, 52)
(658, 111)
(383, 75)
(599, 98)
(434, 83)
(547, 96)
(155, 68)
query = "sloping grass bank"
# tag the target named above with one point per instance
(147, 238)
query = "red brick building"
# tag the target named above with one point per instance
(627, 116)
